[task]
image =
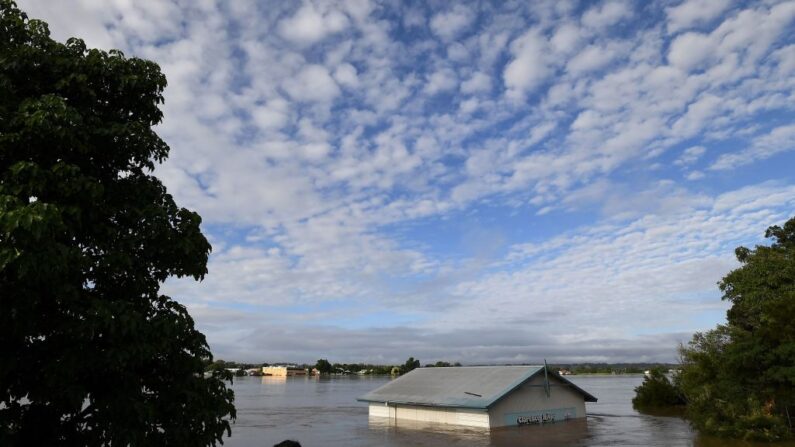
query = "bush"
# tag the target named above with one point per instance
(657, 391)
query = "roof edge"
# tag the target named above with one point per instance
(514, 386)
(422, 404)
(588, 396)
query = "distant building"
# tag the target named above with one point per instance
(283, 371)
(480, 396)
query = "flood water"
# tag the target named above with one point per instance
(324, 412)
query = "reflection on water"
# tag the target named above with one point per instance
(324, 412)
(413, 433)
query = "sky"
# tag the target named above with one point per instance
(479, 182)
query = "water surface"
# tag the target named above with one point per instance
(324, 412)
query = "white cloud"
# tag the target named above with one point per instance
(441, 81)
(346, 75)
(780, 139)
(307, 139)
(309, 24)
(607, 14)
(312, 83)
(691, 50)
(530, 65)
(478, 82)
(694, 12)
(272, 115)
(450, 24)
(690, 155)
(590, 58)
(566, 38)
(698, 113)
(358, 9)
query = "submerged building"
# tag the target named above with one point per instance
(479, 396)
(283, 371)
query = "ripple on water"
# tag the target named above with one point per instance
(325, 413)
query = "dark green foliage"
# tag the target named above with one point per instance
(91, 353)
(217, 365)
(656, 391)
(410, 365)
(439, 364)
(739, 378)
(324, 367)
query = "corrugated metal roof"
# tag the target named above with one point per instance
(466, 386)
(462, 387)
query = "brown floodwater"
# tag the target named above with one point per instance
(324, 412)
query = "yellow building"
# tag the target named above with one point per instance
(282, 371)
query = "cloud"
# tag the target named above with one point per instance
(479, 82)
(606, 14)
(346, 75)
(648, 274)
(694, 12)
(690, 155)
(591, 58)
(690, 50)
(309, 24)
(778, 140)
(441, 81)
(446, 171)
(272, 115)
(451, 23)
(312, 83)
(529, 66)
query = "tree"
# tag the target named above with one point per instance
(656, 391)
(92, 353)
(217, 365)
(410, 365)
(324, 367)
(739, 379)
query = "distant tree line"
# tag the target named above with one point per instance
(323, 366)
(612, 368)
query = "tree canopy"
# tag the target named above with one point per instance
(324, 367)
(739, 378)
(92, 353)
(656, 391)
(410, 365)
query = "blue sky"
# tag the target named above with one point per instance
(478, 182)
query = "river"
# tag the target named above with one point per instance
(324, 412)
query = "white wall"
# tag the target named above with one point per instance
(530, 399)
(455, 416)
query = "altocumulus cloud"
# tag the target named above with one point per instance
(482, 182)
